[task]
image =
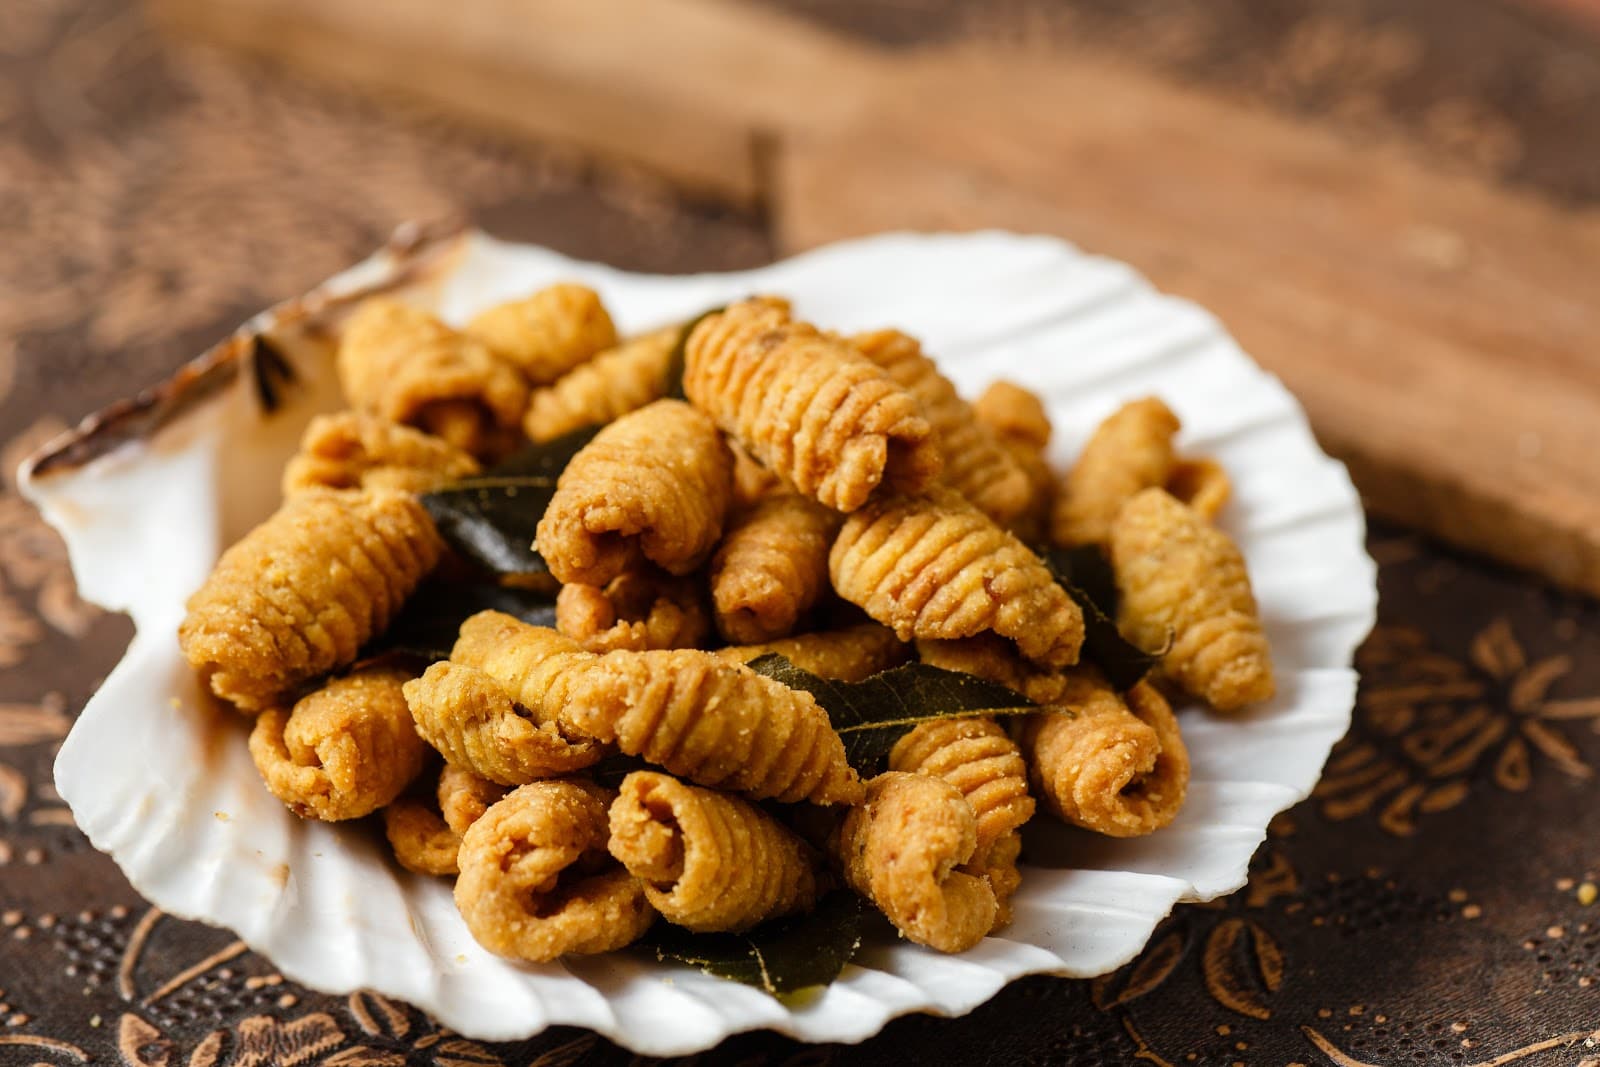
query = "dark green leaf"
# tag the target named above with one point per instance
(874, 713)
(675, 363)
(273, 372)
(780, 956)
(1080, 571)
(427, 626)
(491, 518)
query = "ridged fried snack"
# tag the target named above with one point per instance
(1203, 484)
(425, 832)
(751, 481)
(1112, 764)
(469, 717)
(464, 797)
(637, 610)
(771, 567)
(355, 450)
(536, 881)
(405, 365)
(937, 567)
(1004, 877)
(653, 485)
(711, 722)
(1018, 419)
(1130, 451)
(975, 463)
(607, 387)
(979, 758)
(709, 861)
(848, 654)
(903, 849)
(808, 406)
(1181, 578)
(344, 751)
(548, 333)
(300, 594)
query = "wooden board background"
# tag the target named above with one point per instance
(1441, 328)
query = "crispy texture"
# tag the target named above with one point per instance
(548, 333)
(808, 406)
(975, 463)
(902, 849)
(476, 725)
(355, 450)
(405, 365)
(1203, 484)
(1115, 765)
(846, 655)
(536, 882)
(419, 837)
(344, 751)
(1130, 451)
(937, 567)
(771, 567)
(1004, 878)
(751, 481)
(977, 757)
(653, 485)
(709, 861)
(636, 610)
(1183, 578)
(711, 722)
(1019, 420)
(464, 797)
(607, 387)
(992, 657)
(300, 594)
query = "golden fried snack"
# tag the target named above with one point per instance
(1019, 420)
(991, 657)
(300, 594)
(1183, 579)
(536, 881)
(751, 481)
(977, 757)
(1202, 484)
(700, 718)
(975, 463)
(607, 387)
(902, 849)
(1004, 878)
(405, 365)
(1130, 451)
(808, 406)
(846, 655)
(469, 717)
(636, 610)
(771, 567)
(709, 861)
(547, 334)
(355, 450)
(419, 837)
(653, 485)
(935, 566)
(1115, 765)
(464, 797)
(344, 751)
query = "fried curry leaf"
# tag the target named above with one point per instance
(427, 626)
(1086, 576)
(491, 518)
(874, 713)
(676, 361)
(781, 956)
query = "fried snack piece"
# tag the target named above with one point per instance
(711, 722)
(903, 849)
(536, 881)
(355, 450)
(979, 758)
(636, 610)
(709, 861)
(607, 387)
(419, 837)
(991, 657)
(405, 365)
(846, 655)
(771, 567)
(1018, 419)
(470, 718)
(1004, 877)
(300, 594)
(344, 751)
(1130, 451)
(808, 406)
(548, 333)
(1203, 484)
(751, 481)
(1183, 578)
(935, 566)
(464, 797)
(653, 485)
(975, 463)
(1112, 764)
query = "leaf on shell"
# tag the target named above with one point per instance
(874, 713)
(428, 624)
(1086, 576)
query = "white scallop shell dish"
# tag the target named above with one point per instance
(149, 492)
